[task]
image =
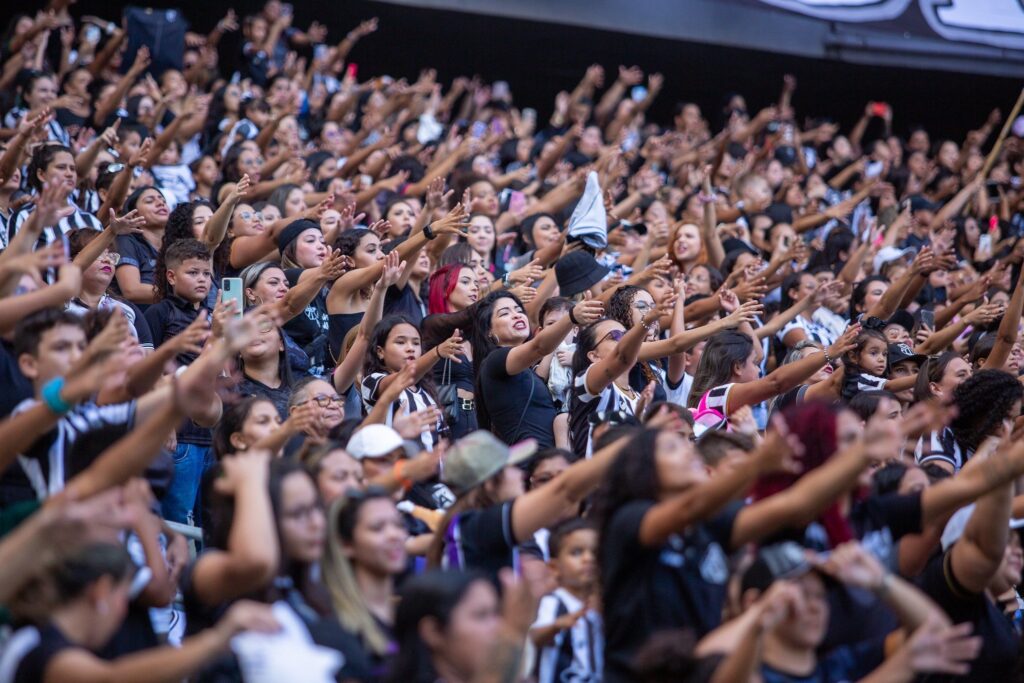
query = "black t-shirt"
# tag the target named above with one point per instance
(519, 406)
(881, 521)
(309, 328)
(30, 650)
(847, 663)
(1000, 643)
(338, 325)
(680, 585)
(277, 395)
(481, 540)
(136, 251)
(16, 386)
(404, 302)
(168, 318)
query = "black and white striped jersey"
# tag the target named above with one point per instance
(50, 234)
(78, 438)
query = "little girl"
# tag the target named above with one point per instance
(395, 343)
(866, 367)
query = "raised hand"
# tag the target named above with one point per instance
(781, 450)
(588, 311)
(531, 272)
(241, 188)
(746, 312)
(141, 156)
(451, 347)
(335, 265)
(847, 342)
(52, 205)
(191, 339)
(393, 268)
(127, 224)
(455, 222)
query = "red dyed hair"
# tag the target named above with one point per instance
(442, 282)
(814, 423)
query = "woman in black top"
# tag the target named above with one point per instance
(265, 368)
(265, 533)
(350, 294)
(92, 588)
(453, 294)
(512, 401)
(446, 626)
(365, 552)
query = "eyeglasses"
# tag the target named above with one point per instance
(323, 400)
(111, 257)
(614, 335)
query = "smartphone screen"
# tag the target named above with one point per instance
(231, 290)
(928, 318)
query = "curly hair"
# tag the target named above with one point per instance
(983, 402)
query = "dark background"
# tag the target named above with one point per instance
(539, 59)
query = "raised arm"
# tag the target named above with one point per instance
(975, 558)
(528, 354)
(701, 501)
(354, 280)
(544, 506)
(786, 377)
(800, 504)
(716, 252)
(250, 559)
(605, 371)
(1006, 336)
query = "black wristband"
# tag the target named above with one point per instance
(428, 232)
(572, 317)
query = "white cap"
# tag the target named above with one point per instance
(890, 254)
(374, 441)
(958, 522)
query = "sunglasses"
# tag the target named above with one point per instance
(614, 335)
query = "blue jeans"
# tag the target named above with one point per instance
(190, 461)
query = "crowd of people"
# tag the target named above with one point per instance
(310, 373)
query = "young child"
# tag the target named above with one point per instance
(568, 631)
(556, 366)
(173, 177)
(867, 368)
(189, 278)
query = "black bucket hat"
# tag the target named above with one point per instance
(577, 272)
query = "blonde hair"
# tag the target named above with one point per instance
(340, 578)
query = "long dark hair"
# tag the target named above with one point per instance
(722, 352)
(433, 595)
(860, 292)
(379, 338)
(483, 343)
(232, 420)
(284, 369)
(633, 475)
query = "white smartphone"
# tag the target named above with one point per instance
(231, 290)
